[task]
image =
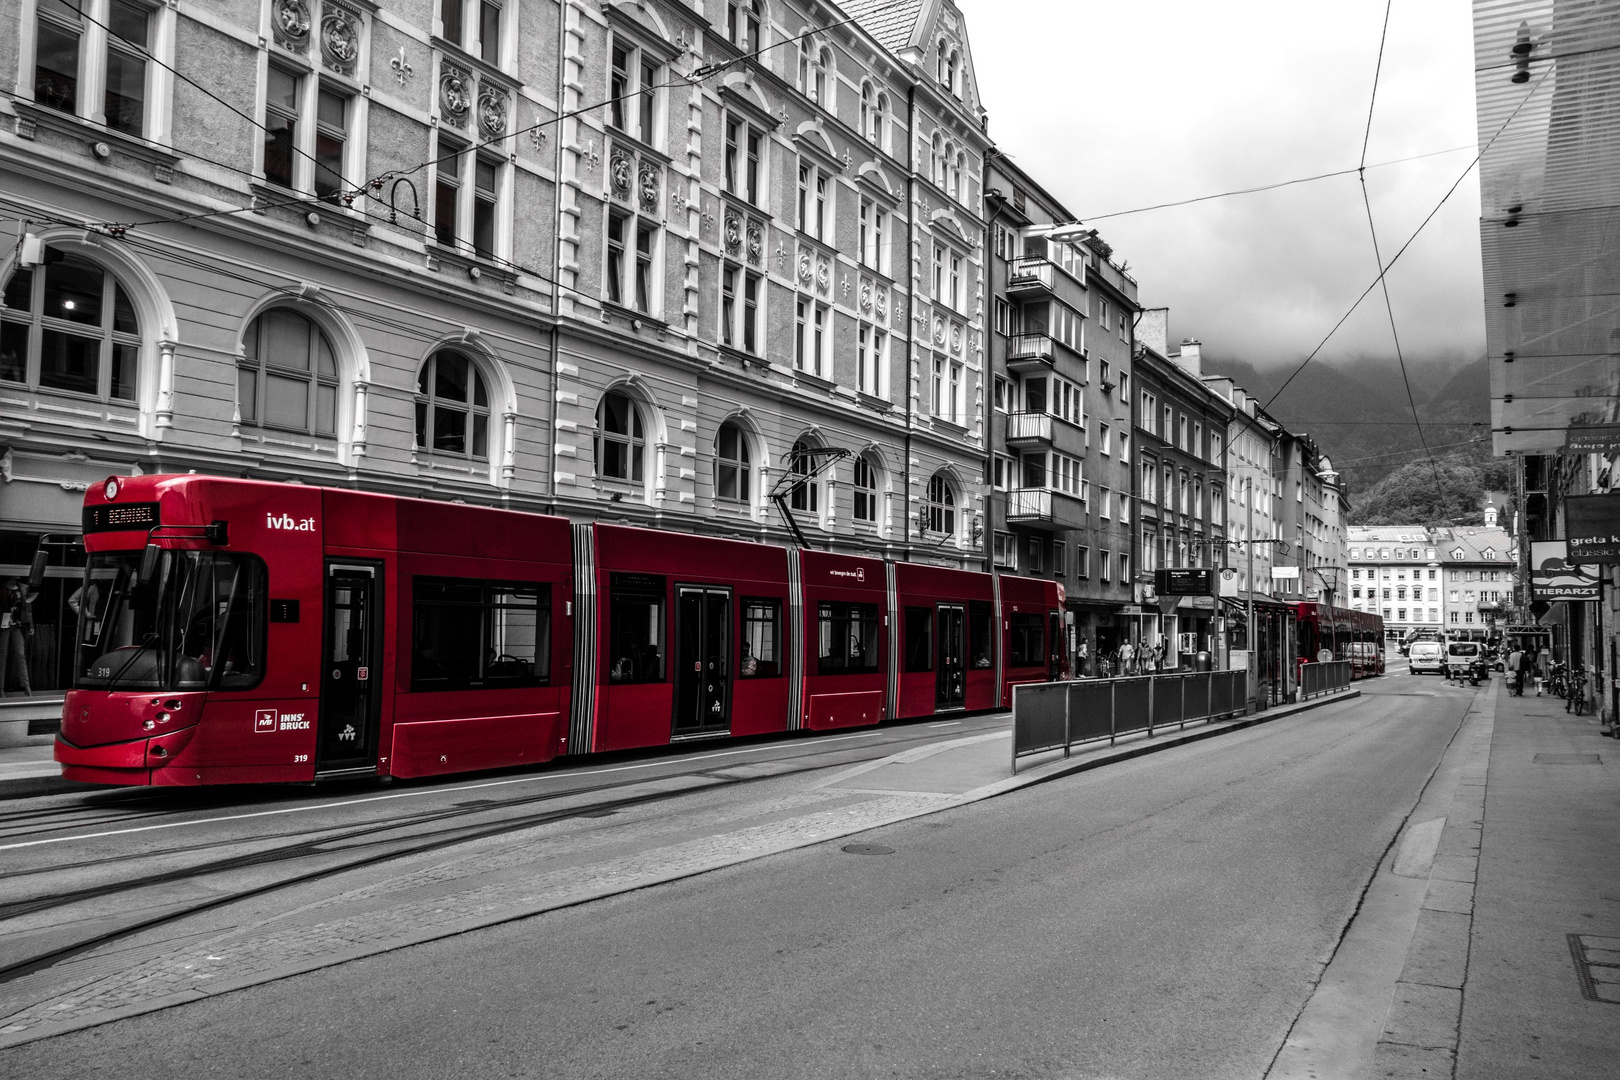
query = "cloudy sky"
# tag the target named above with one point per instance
(1115, 106)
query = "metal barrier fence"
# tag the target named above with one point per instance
(1057, 715)
(1323, 678)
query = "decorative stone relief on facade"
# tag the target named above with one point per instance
(881, 304)
(289, 20)
(823, 276)
(402, 67)
(756, 241)
(939, 331)
(620, 167)
(806, 269)
(455, 95)
(492, 111)
(734, 237)
(649, 183)
(340, 38)
(866, 295)
(956, 338)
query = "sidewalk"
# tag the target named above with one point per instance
(1487, 943)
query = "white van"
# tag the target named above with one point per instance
(1460, 656)
(1427, 656)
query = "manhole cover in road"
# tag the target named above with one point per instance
(1568, 759)
(867, 849)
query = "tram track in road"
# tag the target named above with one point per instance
(352, 846)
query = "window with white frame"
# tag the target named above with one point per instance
(467, 196)
(474, 25)
(744, 158)
(732, 466)
(1002, 394)
(306, 132)
(874, 116)
(1150, 474)
(1150, 412)
(805, 495)
(1002, 472)
(813, 338)
(632, 252)
(452, 407)
(1103, 315)
(1105, 435)
(871, 359)
(1104, 559)
(1065, 474)
(864, 486)
(815, 201)
(1082, 561)
(68, 325)
(948, 384)
(634, 78)
(288, 377)
(955, 282)
(101, 75)
(1124, 566)
(874, 235)
(621, 440)
(938, 293)
(939, 506)
(742, 294)
(1001, 316)
(743, 21)
(1059, 567)
(1215, 447)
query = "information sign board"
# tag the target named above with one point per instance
(1592, 528)
(1185, 581)
(1554, 577)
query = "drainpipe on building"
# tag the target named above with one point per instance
(556, 264)
(911, 294)
(986, 412)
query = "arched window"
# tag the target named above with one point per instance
(880, 122)
(824, 78)
(958, 181)
(953, 68)
(69, 325)
(621, 441)
(804, 65)
(806, 493)
(936, 160)
(866, 113)
(452, 407)
(944, 75)
(731, 464)
(288, 377)
(866, 490)
(939, 509)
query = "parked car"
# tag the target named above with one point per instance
(1427, 656)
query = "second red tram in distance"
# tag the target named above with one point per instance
(239, 631)
(1356, 636)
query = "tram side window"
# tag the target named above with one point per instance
(1028, 645)
(919, 639)
(761, 638)
(981, 633)
(847, 636)
(636, 628)
(473, 634)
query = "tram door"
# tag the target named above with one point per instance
(351, 687)
(702, 661)
(951, 681)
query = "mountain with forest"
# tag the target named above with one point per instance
(1359, 413)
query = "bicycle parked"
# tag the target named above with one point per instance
(1574, 694)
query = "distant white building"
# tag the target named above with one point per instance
(1459, 580)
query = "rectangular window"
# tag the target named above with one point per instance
(1032, 554)
(618, 224)
(1006, 551)
(1124, 566)
(447, 190)
(489, 31)
(739, 314)
(124, 101)
(981, 633)
(761, 638)
(636, 628)
(1026, 646)
(486, 196)
(1103, 559)
(848, 639)
(479, 635)
(939, 273)
(956, 282)
(450, 20)
(1058, 558)
(919, 639)
(1003, 393)
(937, 397)
(331, 133)
(280, 126)
(750, 312)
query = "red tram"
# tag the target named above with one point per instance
(236, 631)
(1356, 636)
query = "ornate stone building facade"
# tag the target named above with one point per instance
(637, 259)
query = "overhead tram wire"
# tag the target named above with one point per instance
(1378, 257)
(1409, 240)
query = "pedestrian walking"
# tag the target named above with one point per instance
(1515, 666)
(16, 628)
(1127, 654)
(1543, 669)
(1082, 660)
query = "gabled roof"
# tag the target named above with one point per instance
(892, 22)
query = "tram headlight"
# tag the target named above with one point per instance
(111, 490)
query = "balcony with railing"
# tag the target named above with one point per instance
(1045, 506)
(1027, 352)
(1031, 275)
(1027, 428)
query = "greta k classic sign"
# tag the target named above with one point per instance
(1592, 527)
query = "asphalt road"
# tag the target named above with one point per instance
(1162, 917)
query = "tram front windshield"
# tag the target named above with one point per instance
(199, 623)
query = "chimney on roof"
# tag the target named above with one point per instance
(1153, 329)
(1190, 357)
